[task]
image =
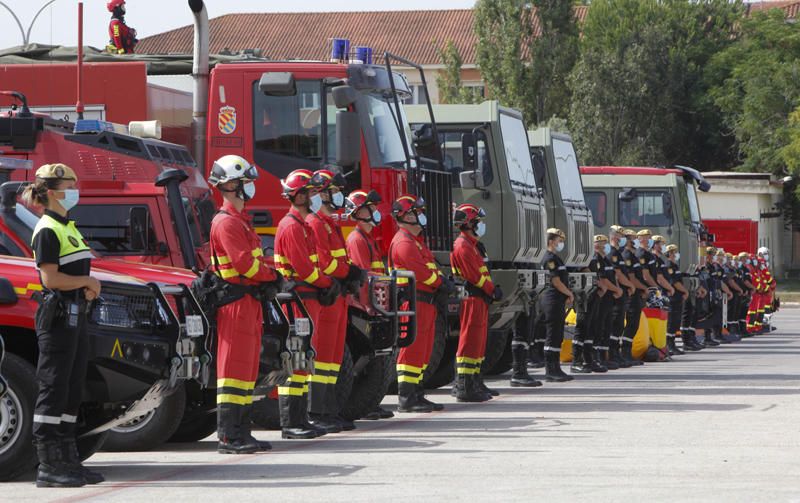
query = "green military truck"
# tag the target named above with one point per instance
(485, 148)
(663, 200)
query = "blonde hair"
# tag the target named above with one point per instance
(36, 193)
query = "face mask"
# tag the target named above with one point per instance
(747, 262)
(637, 244)
(724, 260)
(480, 229)
(650, 243)
(677, 257)
(606, 249)
(376, 217)
(714, 259)
(337, 199)
(560, 246)
(622, 242)
(71, 197)
(249, 190)
(316, 203)
(766, 257)
(422, 220)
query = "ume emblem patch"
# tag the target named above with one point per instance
(227, 120)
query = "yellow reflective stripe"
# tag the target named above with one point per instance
(376, 265)
(331, 267)
(322, 379)
(229, 382)
(483, 268)
(227, 273)
(253, 269)
(327, 366)
(409, 379)
(286, 390)
(280, 259)
(408, 368)
(340, 252)
(236, 399)
(481, 281)
(314, 258)
(432, 279)
(257, 252)
(314, 276)
(432, 265)
(223, 260)
(467, 359)
(467, 370)
(285, 272)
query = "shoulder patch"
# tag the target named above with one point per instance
(614, 258)
(642, 261)
(72, 241)
(551, 265)
(628, 262)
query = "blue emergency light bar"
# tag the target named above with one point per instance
(364, 55)
(340, 49)
(92, 126)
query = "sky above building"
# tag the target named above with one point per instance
(58, 25)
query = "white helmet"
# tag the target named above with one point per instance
(763, 250)
(231, 167)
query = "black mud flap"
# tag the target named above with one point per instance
(150, 401)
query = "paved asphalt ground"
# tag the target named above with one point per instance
(719, 425)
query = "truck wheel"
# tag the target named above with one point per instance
(446, 370)
(369, 388)
(344, 383)
(150, 430)
(439, 344)
(89, 445)
(265, 413)
(17, 454)
(195, 426)
(498, 346)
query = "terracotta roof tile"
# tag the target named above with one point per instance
(306, 35)
(791, 7)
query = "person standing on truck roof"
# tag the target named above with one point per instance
(297, 259)
(553, 302)
(330, 337)
(64, 261)
(122, 37)
(237, 258)
(634, 311)
(672, 272)
(587, 318)
(364, 251)
(469, 262)
(408, 252)
(621, 269)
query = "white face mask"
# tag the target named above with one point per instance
(422, 219)
(480, 229)
(606, 249)
(637, 244)
(714, 258)
(376, 217)
(677, 257)
(71, 197)
(623, 241)
(724, 260)
(316, 203)
(560, 246)
(766, 257)
(337, 199)
(249, 190)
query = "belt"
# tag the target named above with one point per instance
(471, 290)
(426, 297)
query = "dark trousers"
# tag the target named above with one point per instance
(632, 317)
(552, 307)
(604, 320)
(60, 373)
(586, 315)
(618, 314)
(675, 314)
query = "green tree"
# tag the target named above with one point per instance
(449, 81)
(790, 153)
(759, 87)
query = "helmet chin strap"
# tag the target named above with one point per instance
(239, 191)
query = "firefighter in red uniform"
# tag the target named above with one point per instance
(122, 37)
(331, 326)
(468, 261)
(765, 318)
(363, 249)
(237, 258)
(296, 258)
(408, 252)
(757, 278)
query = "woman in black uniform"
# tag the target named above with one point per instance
(64, 261)
(554, 300)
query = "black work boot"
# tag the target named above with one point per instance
(519, 366)
(230, 431)
(578, 364)
(627, 354)
(70, 454)
(536, 355)
(468, 391)
(293, 415)
(407, 400)
(672, 347)
(553, 372)
(690, 340)
(711, 340)
(54, 471)
(483, 387)
(378, 413)
(601, 363)
(333, 411)
(614, 354)
(421, 398)
(247, 431)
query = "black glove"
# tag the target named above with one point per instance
(497, 294)
(328, 296)
(356, 274)
(448, 285)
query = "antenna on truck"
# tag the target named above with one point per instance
(79, 104)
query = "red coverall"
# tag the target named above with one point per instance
(331, 325)
(756, 277)
(468, 263)
(364, 252)
(296, 258)
(238, 259)
(410, 253)
(122, 37)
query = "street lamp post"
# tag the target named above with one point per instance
(26, 35)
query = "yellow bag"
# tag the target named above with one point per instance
(566, 344)
(657, 323)
(641, 341)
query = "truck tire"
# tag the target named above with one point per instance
(89, 445)
(195, 426)
(498, 346)
(147, 432)
(446, 370)
(369, 388)
(265, 413)
(17, 454)
(344, 383)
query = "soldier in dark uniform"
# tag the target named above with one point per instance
(731, 279)
(674, 275)
(618, 241)
(552, 304)
(746, 282)
(719, 288)
(587, 316)
(636, 302)
(662, 279)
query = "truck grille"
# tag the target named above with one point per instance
(119, 310)
(533, 226)
(583, 241)
(434, 187)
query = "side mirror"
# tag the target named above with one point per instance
(139, 227)
(344, 96)
(277, 84)
(7, 293)
(348, 138)
(628, 194)
(666, 202)
(469, 151)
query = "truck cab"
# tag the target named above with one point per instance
(663, 200)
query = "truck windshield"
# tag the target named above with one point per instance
(381, 126)
(518, 158)
(649, 208)
(694, 209)
(107, 227)
(569, 176)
